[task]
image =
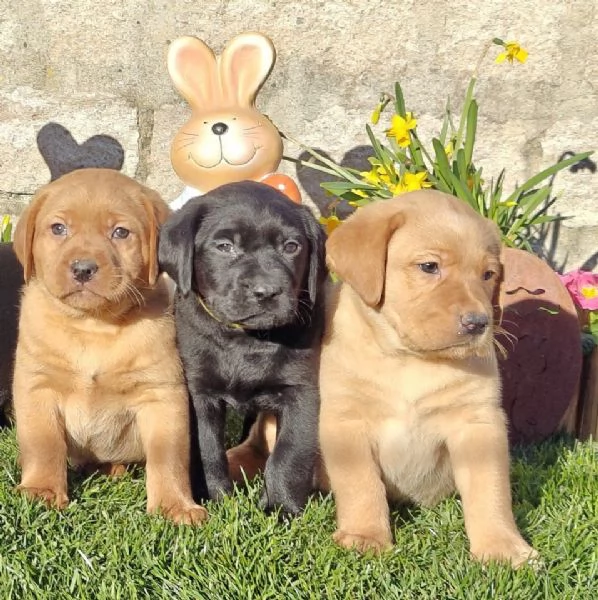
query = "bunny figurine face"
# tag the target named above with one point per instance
(226, 139)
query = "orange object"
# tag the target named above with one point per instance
(283, 183)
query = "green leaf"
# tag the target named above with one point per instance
(416, 152)
(327, 166)
(377, 146)
(472, 120)
(338, 188)
(528, 204)
(548, 219)
(463, 191)
(445, 123)
(552, 170)
(460, 166)
(465, 112)
(443, 169)
(424, 151)
(399, 100)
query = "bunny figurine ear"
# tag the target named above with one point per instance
(192, 67)
(245, 64)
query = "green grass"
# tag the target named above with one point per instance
(105, 546)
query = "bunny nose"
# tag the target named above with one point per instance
(219, 128)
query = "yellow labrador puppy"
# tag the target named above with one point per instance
(410, 390)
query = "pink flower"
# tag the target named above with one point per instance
(583, 287)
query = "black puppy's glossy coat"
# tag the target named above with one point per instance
(249, 268)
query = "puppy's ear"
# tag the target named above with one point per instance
(25, 231)
(176, 247)
(356, 250)
(317, 262)
(157, 213)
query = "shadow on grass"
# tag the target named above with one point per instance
(534, 464)
(532, 467)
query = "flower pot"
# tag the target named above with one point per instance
(11, 280)
(541, 372)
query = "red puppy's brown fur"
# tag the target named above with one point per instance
(410, 400)
(97, 380)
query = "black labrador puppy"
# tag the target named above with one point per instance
(250, 271)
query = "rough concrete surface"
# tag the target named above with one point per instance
(98, 69)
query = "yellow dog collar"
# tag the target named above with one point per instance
(201, 302)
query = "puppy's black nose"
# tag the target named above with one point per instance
(264, 291)
(83, 270)
(474, 323)
(219, 128)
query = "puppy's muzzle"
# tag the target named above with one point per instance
(261, 290)
(83, 269)
(473, 323)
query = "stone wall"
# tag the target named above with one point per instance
(85, 82)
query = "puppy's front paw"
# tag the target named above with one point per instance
(287, 506)
(53, 498)
(374, 542)
(184, 514)
(510, 548)
(218, 489)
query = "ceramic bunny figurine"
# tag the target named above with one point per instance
(226, 139)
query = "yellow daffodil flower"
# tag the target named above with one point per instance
(513, 51)
(396, 188)
(400, 128)
(378, 175)
(415, 181)
(330, 223)
(371, 177)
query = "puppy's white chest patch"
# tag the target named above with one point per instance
(414, 463)
(99, 434)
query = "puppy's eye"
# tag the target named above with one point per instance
(58, 229)
(225, 247)
(431, 268)
(120, 233)
(488, 275)
(291, 247)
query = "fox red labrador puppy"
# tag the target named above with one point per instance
(98, 381)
